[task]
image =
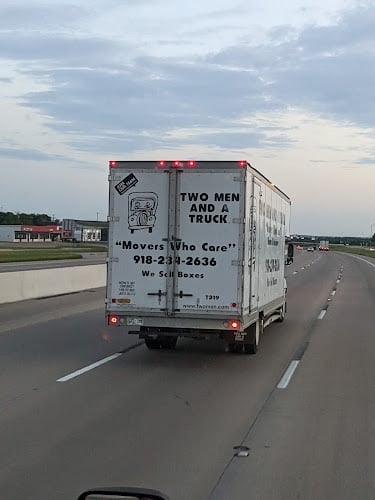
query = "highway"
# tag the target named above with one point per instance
(88, 259)
(302, 409)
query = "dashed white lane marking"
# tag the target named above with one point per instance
(322, 314)
(333, 292)
(283, 384)
(79, 372)
(295, 272)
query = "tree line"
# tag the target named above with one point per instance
(10, 218)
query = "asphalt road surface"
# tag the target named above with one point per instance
(87, 260)
(303, 408)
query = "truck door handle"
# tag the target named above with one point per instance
(182, 294)
(159, 293)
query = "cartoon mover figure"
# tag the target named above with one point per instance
(142, 210)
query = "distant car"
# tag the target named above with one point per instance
(310, 249)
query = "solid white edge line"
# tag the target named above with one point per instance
(364, 260)
(283, 384)
(89, 367)
(322, 314)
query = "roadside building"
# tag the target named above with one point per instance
(7, 232)
(70, 230)
(30, 234)
(85, 231)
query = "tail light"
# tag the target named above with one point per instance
(113, 320)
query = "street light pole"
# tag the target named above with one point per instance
(371, 233)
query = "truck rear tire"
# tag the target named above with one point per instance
(235, 347)
(168, 342)
(282, 314)
(152, 343)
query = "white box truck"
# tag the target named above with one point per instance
(196, 249)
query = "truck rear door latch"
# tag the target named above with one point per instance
(159, 293)
(182, 294)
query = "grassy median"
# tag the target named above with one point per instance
(40, 254)
(356, 250)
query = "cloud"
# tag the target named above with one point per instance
(29, 17)
(324, 69)
(367, 160)
(57, 49)
(150, 95)
(102, 92)
(27, 154)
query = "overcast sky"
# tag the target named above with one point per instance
(290, 86)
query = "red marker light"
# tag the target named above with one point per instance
(113, 164)
(113, 320)
(242, 163)
(177, 164)
(191, 164)
(234, 325)
(162, 164)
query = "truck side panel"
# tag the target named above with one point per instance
(274, 212)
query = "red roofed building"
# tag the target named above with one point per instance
(38, 233)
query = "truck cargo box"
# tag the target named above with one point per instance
(196, 248)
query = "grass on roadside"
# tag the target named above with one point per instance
(358, 251)
(52, 247)
(35, 255)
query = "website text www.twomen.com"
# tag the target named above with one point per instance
(198, 306)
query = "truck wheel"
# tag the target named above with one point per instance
(235, 347)
(152, 343)
(282, 314)
(168, 342)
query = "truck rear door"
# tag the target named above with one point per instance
(138, 239)
(209, 230)
(176, 239)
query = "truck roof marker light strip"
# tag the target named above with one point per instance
(162, 163)
(242, 163)
(113, 320)
(191, 164)
(113, 164)
(177, 164)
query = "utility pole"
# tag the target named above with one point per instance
(371, 232)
